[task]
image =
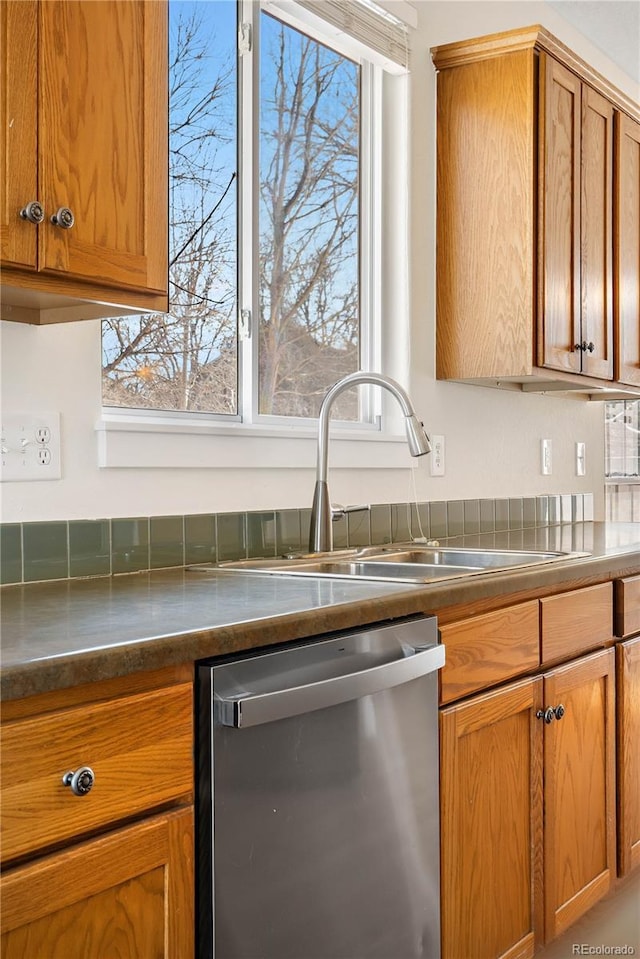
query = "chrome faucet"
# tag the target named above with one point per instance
(320, 536)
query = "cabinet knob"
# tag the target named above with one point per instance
(590, 346)
(559, 711)
(33, 212)
(547, 714)
(81, 781)
(63, 218)
(578, 347)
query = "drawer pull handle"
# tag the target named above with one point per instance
(81, 781)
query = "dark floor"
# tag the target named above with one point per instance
(614, 922)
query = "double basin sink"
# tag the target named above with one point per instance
(398, 564)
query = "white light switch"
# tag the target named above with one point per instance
(546, 464)
(436, 459)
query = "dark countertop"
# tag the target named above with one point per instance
(65, 633)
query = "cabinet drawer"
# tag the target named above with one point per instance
(576, 621)
(489, 649)
(139, 748)
(627, 597)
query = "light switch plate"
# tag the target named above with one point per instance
(30, 447)
(436, 459)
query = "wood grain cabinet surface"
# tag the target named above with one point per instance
(628, 755)
(110, 872)
(627, 248)
(485, 650)
(491, 824)
(84, 127)
(579, 789)
(125, 742)
(576, 621)
(540, 776)
(127, 894)
(627, 606)
(527, 809)
(575, 142)
(526, 237)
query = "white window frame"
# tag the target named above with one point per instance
(158, 439)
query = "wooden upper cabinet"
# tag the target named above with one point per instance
(575, 322)
(627, 248)
(596, 234)
(525, 210)
(18, 116)
(485, 249)
(90, 139)
(559, 145)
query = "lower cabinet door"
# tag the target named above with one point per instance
(579, 788)
(628, 754)
(491, 824)
(128, 894)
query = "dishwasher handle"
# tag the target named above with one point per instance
(282, 703)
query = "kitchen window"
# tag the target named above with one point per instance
(276, 126)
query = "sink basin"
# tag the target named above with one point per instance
(403, 564)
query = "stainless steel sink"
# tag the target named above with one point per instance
(403, 564)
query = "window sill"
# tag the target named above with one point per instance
(129, 441)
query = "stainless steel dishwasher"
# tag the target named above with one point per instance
(318, 825)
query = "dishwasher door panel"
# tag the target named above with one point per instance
(325, 831)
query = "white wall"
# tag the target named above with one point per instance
(492, 438)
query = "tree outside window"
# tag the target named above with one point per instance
(308, 323)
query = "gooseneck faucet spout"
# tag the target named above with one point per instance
(320, 537)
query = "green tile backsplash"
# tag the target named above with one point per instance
(45, 551)
(130, 545)
(11, 553)
(166, 541)
(59, 550)
(89, 548)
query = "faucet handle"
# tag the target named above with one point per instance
(338, 511)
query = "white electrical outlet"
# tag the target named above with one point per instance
(581, 459)
(30, 447)
(546, 464)
(436, 459)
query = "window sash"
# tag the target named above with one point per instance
(248, 220)
(374, 32)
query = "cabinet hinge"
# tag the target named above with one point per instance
(244, 39)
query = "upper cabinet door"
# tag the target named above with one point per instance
(627, 249)
(103, 139)
(18, 143)
(596, 237)
(559, 144)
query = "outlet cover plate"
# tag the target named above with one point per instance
(30, 447)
